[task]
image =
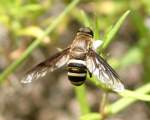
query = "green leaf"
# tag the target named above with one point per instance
(112, 32)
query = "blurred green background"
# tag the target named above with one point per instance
(53, 97)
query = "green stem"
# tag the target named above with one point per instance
(119, 105)
(103, 105)
(124, 102)
(125, 93)
(135, 94)
(82, 99)
(35, 44)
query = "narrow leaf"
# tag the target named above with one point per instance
(110, 35)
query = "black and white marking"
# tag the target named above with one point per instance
(77, 71)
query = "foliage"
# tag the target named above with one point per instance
(23, 19)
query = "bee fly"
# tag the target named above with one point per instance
(80, 58)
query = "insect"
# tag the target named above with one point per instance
(80, 59)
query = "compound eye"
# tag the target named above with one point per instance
(86, 30)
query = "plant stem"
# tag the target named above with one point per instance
(119, 105)
(35, 44)
(124, 102)
(82, 99)
(135, 94)
(103, 105)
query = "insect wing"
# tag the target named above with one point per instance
(103, 71)
(46, 66)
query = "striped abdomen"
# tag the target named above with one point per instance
(77, 71)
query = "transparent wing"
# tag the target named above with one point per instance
(103, 71)
(46, 66)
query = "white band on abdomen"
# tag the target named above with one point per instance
(77, 74)
(77, 61)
